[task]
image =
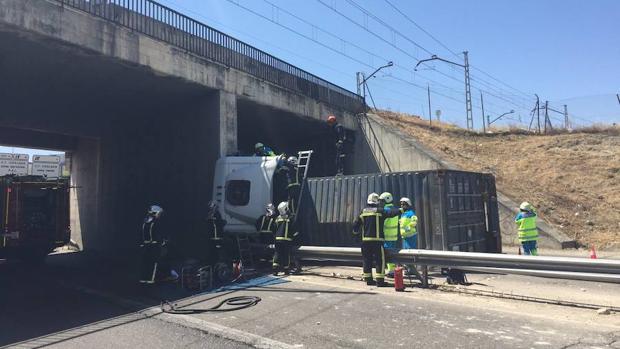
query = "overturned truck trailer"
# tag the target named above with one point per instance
(457, 210)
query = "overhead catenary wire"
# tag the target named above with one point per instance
(333, 49)
(394, 30)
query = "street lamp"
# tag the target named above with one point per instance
(363, 81)
(499, 117)
(465, 66)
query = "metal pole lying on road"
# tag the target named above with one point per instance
(470, 259)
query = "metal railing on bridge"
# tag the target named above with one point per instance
(162, 23)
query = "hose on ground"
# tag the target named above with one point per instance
(232, 303)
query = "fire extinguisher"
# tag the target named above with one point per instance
(399, 284)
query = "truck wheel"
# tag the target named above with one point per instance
(34, 256)
(223, 272)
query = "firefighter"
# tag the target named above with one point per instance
(262, 150)
(294, 179)
(370, 224)
(154, 249)
(215, 225)
(341, 137)
(390, 229)
(284, 235)
(407, 224)
(266, 224)
(527, 230)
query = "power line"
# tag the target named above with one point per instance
(298, 33)
(371, 15)
(446, 47)
(422, 29)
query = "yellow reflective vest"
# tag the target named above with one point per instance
(526, 226)
(407, 223)
(390, 227)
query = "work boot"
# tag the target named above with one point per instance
(381, 283)
(370, 282)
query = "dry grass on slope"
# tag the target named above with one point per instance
(572, 178)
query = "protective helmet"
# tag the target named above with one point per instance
(387, 197)
(373, 198)
(155, 211)
(331, 119)
(283, 208)
(292, 160)
(526, 206)
(406, 200)
(270, 209)
(259, 146)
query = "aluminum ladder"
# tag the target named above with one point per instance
(303, 162)
(245, 253)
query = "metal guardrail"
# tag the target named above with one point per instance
(471, 259)
(163, 23)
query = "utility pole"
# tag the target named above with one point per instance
(484, 127)
(538, 111)
(547, 116)
(566, 122)
(430, 116)
(360, 77)
(468, 105)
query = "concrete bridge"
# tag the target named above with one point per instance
(144, 100)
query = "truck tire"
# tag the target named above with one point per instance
(34, 256)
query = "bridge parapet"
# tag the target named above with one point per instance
(162, 23)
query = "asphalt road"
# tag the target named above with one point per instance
(84, 305)
(38, 309)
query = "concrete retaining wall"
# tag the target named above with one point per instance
(396, 151)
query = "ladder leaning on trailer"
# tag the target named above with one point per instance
(303, 164)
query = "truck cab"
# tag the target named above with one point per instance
(243, 185)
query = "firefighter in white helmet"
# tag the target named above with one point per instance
(285, 234)
(370, 224)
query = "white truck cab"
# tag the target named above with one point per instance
(242, 186)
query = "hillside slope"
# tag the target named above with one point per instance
(573, 179)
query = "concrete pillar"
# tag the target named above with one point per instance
(222, 113)
(84, 194)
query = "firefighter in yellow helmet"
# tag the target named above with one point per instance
(527, 230)
(390, 229)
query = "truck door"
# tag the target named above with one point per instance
(247, 190)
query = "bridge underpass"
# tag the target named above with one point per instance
(135, 134)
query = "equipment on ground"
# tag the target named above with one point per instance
(399, 284)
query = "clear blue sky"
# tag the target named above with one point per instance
(566, 51)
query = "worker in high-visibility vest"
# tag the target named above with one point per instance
(408, 224)
(390, 229)
(527, 230)
(369, 224)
